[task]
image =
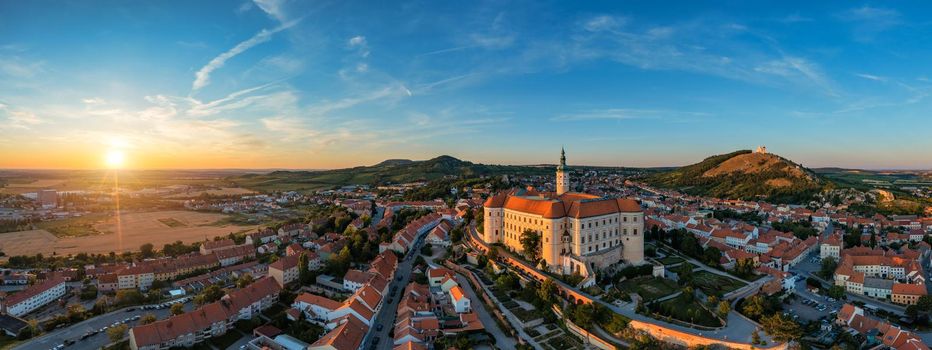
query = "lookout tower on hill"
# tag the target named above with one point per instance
(761, 149)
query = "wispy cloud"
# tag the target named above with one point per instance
(870, 77)
(202, 77)
(870, 21)
(359, 43)
(18, 118)
(16, 67)
(387, 92)
(604, 23)
(624, 114)
(794, 18)
(274, 8)
(800, 69)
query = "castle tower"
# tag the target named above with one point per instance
(563, 179)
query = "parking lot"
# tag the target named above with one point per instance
(91, 334)
(810, 309)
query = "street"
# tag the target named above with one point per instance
(386, 315)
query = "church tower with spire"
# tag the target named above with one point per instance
(563, 178)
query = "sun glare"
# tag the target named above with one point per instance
(115, 159)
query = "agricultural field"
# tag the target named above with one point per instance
(132, 231)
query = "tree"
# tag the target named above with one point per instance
(76, 312)
(836, 292)
(530, 242)
(873, 241)
(147, 319)
(126, 297)
(304, 274)
(711, 256)
(755, 338)
(723, 309)
(744, 267)
(177, 309)
(427, 249)
(547, 291)
(116, 333)
(507, 281)
(244, 280)
(147, 250)
(493, 253)
(753, 307)
(685, 273)
(210, 294)
(828, 267)
(781, 328)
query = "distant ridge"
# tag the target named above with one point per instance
(391, 171)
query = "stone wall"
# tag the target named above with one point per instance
(690, 340)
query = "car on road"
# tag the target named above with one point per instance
(378, 328)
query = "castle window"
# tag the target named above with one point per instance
(635, 232)
(625, 219)
(583, 239)
(635, 219)
(625, 232)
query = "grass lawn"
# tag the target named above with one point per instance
(649, 288)
(684, 310)
(712, 284)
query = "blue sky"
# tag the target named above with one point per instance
(301, 84)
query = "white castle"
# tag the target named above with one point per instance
(580, 233)
(761, 149)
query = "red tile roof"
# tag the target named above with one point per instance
(347, 336)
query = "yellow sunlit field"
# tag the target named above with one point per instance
(158, 228)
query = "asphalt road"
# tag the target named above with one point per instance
(74, 332)
(386, 315)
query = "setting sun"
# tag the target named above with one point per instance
(115, 159)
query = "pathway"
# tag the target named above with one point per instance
(502, 339)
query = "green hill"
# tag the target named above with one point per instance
(391, 171)
(743, 175)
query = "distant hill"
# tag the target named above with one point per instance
(387, 172)
(743, 175)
